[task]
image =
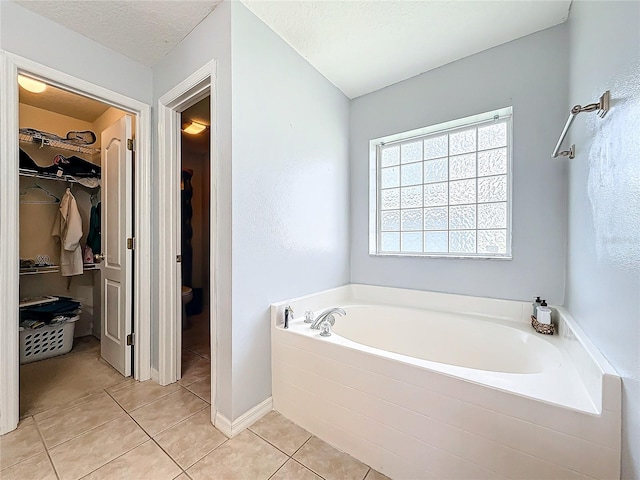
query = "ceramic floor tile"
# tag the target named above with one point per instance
(95, 448)
(182, 476)
(202, 388)
(37, 467)
(281, 432)
(142, 394)
(373, 475)
(58, 381)
(190, 440)
(146, 461)
(292, 470)
(168, 411)
(85, 344)
(77, 420)
(198, 330)
(244, 457)
(201, 349)
(59, 409)
(187, 357)
(127, 382)
(197, 369)
(329, 462)
(20, 444)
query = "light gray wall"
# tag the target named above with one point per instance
(31, 36)
(529, 73)
(282, 186)
(290, 192)
(210, 40)
(603, 262)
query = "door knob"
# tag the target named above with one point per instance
(98, 257)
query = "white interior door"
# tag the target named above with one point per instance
(116, 271)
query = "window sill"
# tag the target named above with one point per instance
(459, 257)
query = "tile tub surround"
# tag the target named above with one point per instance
(410, 421)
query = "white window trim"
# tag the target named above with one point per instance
(444, 127)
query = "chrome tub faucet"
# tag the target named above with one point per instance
(327, 315)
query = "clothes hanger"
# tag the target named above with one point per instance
(36, 186)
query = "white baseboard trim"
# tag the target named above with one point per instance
(230, 429)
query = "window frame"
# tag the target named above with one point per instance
(375, 145)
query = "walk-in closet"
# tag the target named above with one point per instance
(66, 191)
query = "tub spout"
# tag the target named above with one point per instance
(328, 314)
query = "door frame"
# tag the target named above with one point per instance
(188, 92)
(10, 66)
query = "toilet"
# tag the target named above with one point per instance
(187, 296)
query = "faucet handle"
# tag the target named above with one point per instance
(325, 327)
(309, 317)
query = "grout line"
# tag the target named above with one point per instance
(149, 437)
(274, 445)
(167, 454)
(199, 396)
(81, 401)
(140, 406)
(115, 458)
(85, 432)
(304, 466)
(53, 465)
(278, 469)
(170, 426)
(226, 439)
(305, 442)
(195, 353)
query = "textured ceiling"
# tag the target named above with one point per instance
(143, 30)
(65, 103)
(362, 46)
(359, 45)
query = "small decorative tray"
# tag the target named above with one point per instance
(541, 327)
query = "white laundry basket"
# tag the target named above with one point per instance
(45, 342)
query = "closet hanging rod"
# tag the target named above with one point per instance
(601, 106)
(46, 176)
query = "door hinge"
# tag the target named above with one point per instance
(130, 243)
(130, 144)
(179, 258)
(131, 339)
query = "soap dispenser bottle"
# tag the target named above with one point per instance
(544, 314)
(536, 303)
(288, 315)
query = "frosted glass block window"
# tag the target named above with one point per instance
(444, 190)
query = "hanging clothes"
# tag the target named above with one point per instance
(94, 236)
(68, 227)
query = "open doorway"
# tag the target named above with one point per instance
(76, 272)
(137, 304)
(195, 227)
(198, 86)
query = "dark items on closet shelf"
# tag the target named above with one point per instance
(74, 166)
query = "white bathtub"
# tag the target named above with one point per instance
(448, 338)
(426, 385)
